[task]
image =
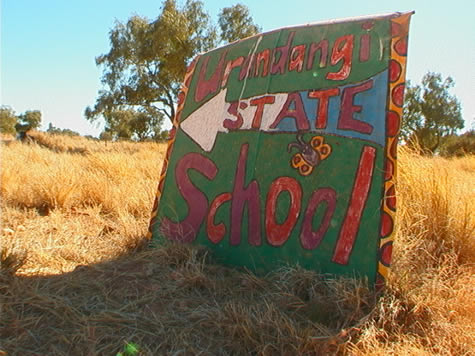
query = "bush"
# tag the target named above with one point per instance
(7, 120)
(459, 145)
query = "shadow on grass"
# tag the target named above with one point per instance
(174, 300)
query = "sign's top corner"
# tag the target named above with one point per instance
(388, 15)
(351, 19)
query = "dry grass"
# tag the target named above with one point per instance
(114, 177)
(75, 278)
(81, 145)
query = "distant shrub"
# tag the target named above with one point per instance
(459, 145)
(105, 136)
(7, 120)
(58, 131)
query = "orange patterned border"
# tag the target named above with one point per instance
(397, 75)
(176, 120)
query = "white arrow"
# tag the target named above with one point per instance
(204, 124)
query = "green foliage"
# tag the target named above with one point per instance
(163, 136)
(147, 61)
(430, 112)
(459, 145)
(143, 71)
(130, 349)
(56, 130)
(236, 22)
(11, 123)
(7, 120)
(130, 124)
(29, 120)
(105, 136)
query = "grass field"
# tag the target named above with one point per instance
(77, 275)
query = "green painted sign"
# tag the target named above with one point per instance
(283, 150)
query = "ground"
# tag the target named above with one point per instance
(79, 277)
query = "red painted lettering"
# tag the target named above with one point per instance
(278, 65)
(359, 195)
(346, 121)
(241, 196)
(297, 113)
(204, 87)
(216, 232)
(246, 69)
(342, 51)
(233, 110)
(186, 230)
(296, 58)
(365, 42)
(230, 65)
(323, 97)
(322, 46)
(262, 57)
(260, 103)
(277, 234)
(365, 47)
(311, 239)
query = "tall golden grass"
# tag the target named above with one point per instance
(77, 279)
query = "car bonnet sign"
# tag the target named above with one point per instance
(283, 149)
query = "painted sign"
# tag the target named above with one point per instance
(284, 148)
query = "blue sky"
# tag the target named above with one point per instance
(48, 47)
